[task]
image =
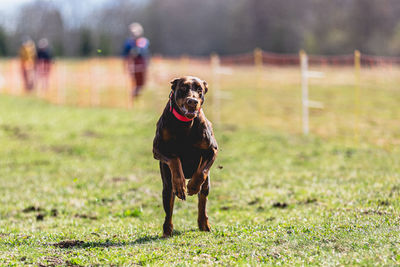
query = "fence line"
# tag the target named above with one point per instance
(102, 82)
(291, 59)
(96, 88)
(269, 58)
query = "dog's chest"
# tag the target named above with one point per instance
(187, 138)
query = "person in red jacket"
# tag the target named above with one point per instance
(136, 57)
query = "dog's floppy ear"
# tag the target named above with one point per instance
(205, 87)
(174, 83)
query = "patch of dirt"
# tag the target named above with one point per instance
(86, 216)
(270, 219)
(230, 127)
(69, 243)
(367, 211)
(274, 255)
(220, 167)
(54, 212)
(350, 152)
(119, 179)
(90, 133)
(253, 202)
(106, 200)
(40, 217)
(40, 162)
(225, 208)
(56, 261)
(308, 201)
(32, 209)
(384, 203)
(62, 149)
(370, 211)
(52, 261)
(280, 205)
(15, 131)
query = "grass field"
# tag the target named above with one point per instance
(79, 186)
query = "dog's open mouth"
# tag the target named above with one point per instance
(190, 113)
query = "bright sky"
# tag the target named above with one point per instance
(9, 8)
(10, 5)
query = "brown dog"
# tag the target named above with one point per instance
(186, 148)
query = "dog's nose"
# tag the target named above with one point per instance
(192, 101)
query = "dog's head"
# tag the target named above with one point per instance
(188, 95)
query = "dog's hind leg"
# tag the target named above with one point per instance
(202, 219)
(168, 199)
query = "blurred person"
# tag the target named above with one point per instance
(43, 63)
(27, 54)
(136, 57)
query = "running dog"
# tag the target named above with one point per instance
(186, 148)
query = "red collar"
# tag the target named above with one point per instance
(176, 114)
(179, 116)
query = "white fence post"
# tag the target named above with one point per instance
(304, 88)
(215, 62)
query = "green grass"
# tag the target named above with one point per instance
(87, 176)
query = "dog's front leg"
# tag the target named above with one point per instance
(177, 176)
(200, 176)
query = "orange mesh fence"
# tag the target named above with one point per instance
(103, 82)
(277, 59)
(280, 59)
(341, 60)
(368, 60)
(240, 59)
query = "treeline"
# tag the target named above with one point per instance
(194, 27)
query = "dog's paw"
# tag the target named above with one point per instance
(166, 235)
(204, 226)
(193, 187)
(179, 188)
(167, 229)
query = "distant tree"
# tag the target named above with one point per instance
(194, 27)
(42, 19)
(58, 48)
(109, 25)
(365, 19)
(394, 44)
(3, 43)
(104, 46)
(86, 45)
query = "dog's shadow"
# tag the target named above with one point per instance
(69, 244)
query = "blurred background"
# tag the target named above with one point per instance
(248, 52)
(78, 28)
(304, 99)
